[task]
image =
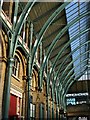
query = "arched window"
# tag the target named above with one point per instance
(33, 81)
(16, 66)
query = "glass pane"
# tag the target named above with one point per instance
(74, 10)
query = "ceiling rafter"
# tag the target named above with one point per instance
(46, 13)
(46, 47)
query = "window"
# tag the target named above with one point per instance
(32, 109)
(33, 82)
(74, 10)
(82, 118)
(86, 75)
(71, 101)
(77, 98)
(16, 67)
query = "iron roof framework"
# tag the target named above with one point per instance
(63, 30)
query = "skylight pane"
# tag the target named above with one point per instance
(74, 10)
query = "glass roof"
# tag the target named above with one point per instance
(74, 10)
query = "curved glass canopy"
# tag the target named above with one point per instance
(74, 10)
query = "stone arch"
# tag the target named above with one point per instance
(2, 44)
(22, 59)
(19, 83)
(34, 80)
(3, 60)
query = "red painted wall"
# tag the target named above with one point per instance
(13, 105)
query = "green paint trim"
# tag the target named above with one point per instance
(66, 58)
(42, 32)
(54, 43)
(60, 53)
(62, 79)
(71, 77)
(15, 13)
(20, 22)
(28, 76)
(63, 99)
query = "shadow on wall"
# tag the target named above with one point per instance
(0, 59)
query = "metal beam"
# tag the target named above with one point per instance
(41, 53)
(52, 102)
(42, 32)
(71, 77)
(12, 49)
(63, 99)
(61, 78)
(73, 31)
(61, 59)
(54, 43)
(20, 22)
(44, 39)
(69, 84)
(65, 85)
(71, 54)
(45, 14)
(61, 51)
(64, 81)
(58, 18)
(62, 92)
(47, 100)
(52, 57)
(57, 114)
(28, 76)
(74, 51)
(76, 10)
(56, 47)
(60, 67)
(15, 13)
(6, 96)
